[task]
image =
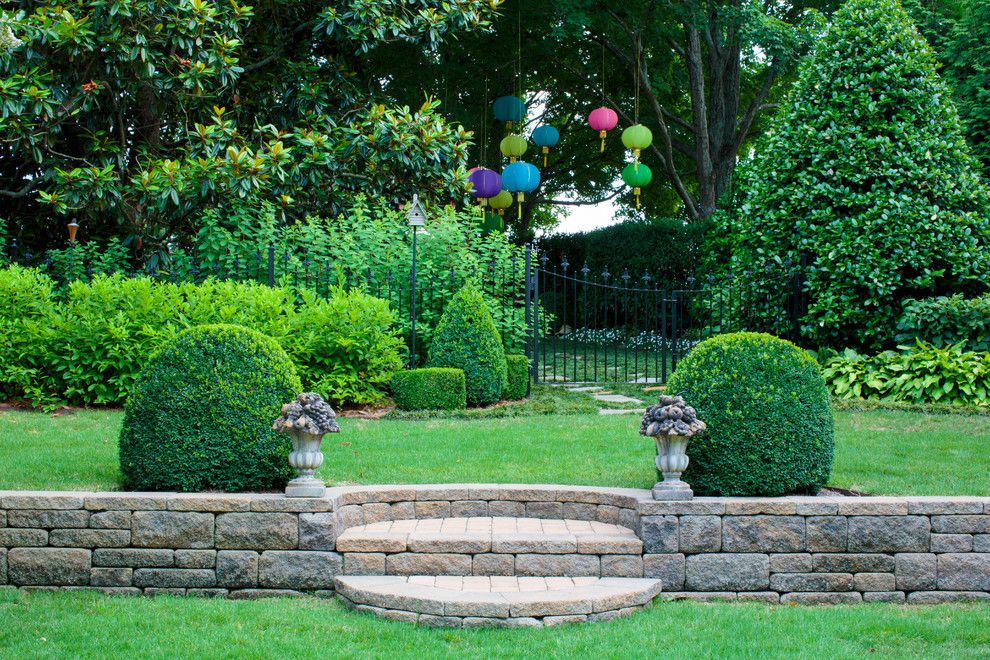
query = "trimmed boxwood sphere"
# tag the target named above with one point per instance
(770, 428)
(466, 338)
(200, 415)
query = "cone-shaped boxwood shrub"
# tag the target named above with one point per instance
(866, 174)
(200, 415)
(429, 389)
(768, 413)
(466, 338)
(517, 377)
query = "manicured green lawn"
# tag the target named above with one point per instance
(882, 452)
(89, 626)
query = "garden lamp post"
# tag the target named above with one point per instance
(416, 217)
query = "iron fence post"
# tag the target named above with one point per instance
(412, 303)
(535, 282)
(527, 292)
(271, 264)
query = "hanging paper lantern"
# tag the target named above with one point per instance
(509, 109)
(603, 120)
(636, 138)
(546, 137)
(637, 176)
(520, 178)
(485, 183)
(492, 222)
(513, 146)
(501, 201)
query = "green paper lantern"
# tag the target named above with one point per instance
(637, 176)
(513, 146)
(501, 201)
(636, 138)
(492, 222)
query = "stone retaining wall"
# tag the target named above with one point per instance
(800, 549)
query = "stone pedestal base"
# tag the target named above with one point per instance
(305, 487)
(672, 490)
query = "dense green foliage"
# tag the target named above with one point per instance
(466, 338)
(370, 240)
(137, 116)
(948, 320)
(89, 347)
(921, 374)
(668, 249)
(517, 377)
(770, 429)
(866, 173)
(967, 59)
(429, 389)
(200, 415)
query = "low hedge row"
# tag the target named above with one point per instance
(436, 388)
(87, 347)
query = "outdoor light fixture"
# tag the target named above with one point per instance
(73, 228)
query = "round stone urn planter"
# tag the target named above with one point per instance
(672, 460)
(306, 420)
(671, 423)
(305, 458)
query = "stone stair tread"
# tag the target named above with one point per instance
(496, 597)
(494, 534)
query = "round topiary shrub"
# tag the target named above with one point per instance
(466, 338)
(200, 415)
(768, 412)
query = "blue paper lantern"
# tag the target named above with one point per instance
(520, 178)
(546, 136)
(509, 109)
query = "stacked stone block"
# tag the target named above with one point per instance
(819, 550)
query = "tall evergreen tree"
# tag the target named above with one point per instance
(866, 173)
(967, 58)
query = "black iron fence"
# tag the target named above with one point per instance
(575, 325)
(620, 328)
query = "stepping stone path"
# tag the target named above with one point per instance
(617, 398)
(499, 571)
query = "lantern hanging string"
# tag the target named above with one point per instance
(484, 129)
(639, 55)
(603, 72)
(519, 50)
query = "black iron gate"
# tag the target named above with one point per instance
(589, 327)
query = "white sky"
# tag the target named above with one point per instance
(587, 217)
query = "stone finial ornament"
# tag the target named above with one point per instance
(306, 420)
(672, 423)
(671, 416)
(309, 413)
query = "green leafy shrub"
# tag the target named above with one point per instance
(944, 321)
(769, 419)
(27, 328)
(921, 374)
(200, 415)
(517, 377)
(429, 389)
(88, 347)
(867, 175)
(466, 338)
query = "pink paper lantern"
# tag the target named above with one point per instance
(603, 120)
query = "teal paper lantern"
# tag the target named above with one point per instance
(520, 178)
(546, 137)
(509, 109)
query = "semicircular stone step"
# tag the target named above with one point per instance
(506, 601)
(492, 546)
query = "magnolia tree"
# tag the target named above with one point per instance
(135, 117)
(866, 176)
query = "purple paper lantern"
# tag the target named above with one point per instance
(485, 183)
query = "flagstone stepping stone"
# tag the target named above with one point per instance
(617, 398)
(495, 601)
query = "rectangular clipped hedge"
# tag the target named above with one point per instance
(518, 372)
(436, 388)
